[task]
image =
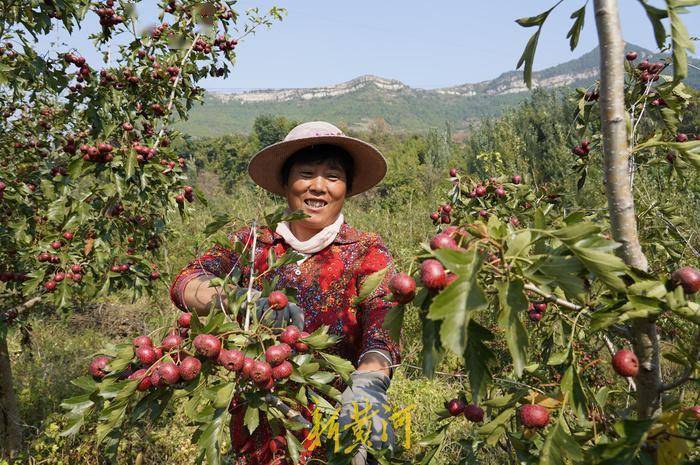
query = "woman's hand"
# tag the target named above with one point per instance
(367, 397)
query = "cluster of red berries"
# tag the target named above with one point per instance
(471, 412)
(682, 137)
(153, 371)
(74, 274)
(442, 215)
(144, 153)
(8, 51)
(157, 31)
(535, 310)
(108, 17)
(100, 153)
(83, 71)
(201, 45)
(187, 195)
(8, 276)
(225, 44)
(582, 150)
(120, 267)
(56, 170)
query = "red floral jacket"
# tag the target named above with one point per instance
(326, 283)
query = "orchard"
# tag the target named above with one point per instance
(551, 313)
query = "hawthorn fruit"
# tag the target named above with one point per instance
(290, 335)
(231, 359)
(282, 371)
(189, 368)
(681, 137)
(142, 341)
(625, 363)
(260, 372)
(277, 300)
(184, 319)
(453, 172)
(247, 367)
(50, 286)
(455, 406)
(517, 179)
(168, 373)
(631, 56)
(207, 345)
(302, 347)
(56, 245)
(98, 367)
(274, 355)
(443, 241)
(474, 413)
(171, 341)
(146, 355)
(688, 277)
(533, 416)
(145, 381)
(403, 287)
(432, 274)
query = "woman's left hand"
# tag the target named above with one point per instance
(368, 397)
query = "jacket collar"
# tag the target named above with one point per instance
(346, 235)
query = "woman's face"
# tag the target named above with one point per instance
(317, 189)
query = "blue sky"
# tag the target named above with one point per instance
(424, 44)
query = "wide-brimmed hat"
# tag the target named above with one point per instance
(266, 166)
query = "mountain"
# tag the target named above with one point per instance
(358, 102)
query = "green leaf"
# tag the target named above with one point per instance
(217, 223)
(655, 15)
(560, 448)
(536, 20)
(432, 351)
(575, 31)
(477, 358)
(209, 444)
(293, 446)
(224, 395)
(632, 435)
(496, 428)
(512, 300)
(456, 304)
(680, 41)
(339, 365)
(528, 57)
(393, 322)
(251, 419)
(572, 388)
(370, 284)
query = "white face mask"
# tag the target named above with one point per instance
(319, 241)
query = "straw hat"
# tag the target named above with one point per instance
(266, 166)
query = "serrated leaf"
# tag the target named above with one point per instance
(655, 16)
(573, 35)
(370, 284)
(209, 444)
(512, 301)
(217, 223)
(560, 448)
(477, 358)
(455, 305)
(339, 365)
(572, 388)
(251, 419)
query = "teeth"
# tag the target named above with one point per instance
(316, 203)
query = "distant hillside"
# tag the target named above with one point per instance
(357, 102)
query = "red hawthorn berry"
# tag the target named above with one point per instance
(231, 359)
(171, 342)
(145, 381)
(631, 56)
(290, 335)
(533, 416)
(688, 277)
(453, 172)
(402, 287)
(183, 321)
(625, 363)
(302, 347)
(277, 300)
(455, 406)
(433, 274)
(50, 286)
(146, 355)
(98, 367)
(189, 368)
(207, 345)
(56, 245)
(142, 341)
(474, 413)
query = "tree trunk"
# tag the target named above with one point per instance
(10, 433)
(618, 188)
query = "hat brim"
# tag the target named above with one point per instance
(265, 168)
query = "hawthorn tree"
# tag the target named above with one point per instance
(88, 180)
(526, 289)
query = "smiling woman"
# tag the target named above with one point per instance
(315, 169)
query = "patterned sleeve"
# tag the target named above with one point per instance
(217, 261)
(374, 309)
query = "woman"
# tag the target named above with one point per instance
(315, 168)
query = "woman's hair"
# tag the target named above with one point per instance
(317, 154)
